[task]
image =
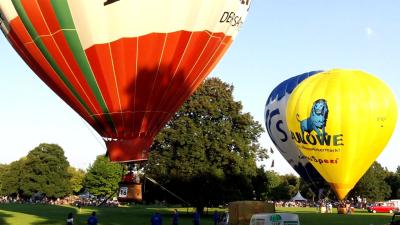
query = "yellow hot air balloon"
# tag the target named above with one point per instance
(341, 121)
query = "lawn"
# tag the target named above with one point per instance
(24, 214)
(309, 216)
(20, 214)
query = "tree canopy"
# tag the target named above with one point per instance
(373, 185)
(208, 148)
(11, 179)
(76, 179)
(393, 180)
(102, 177)
(46, 170)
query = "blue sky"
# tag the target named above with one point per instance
(280, 39)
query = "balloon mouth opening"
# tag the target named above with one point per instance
(129, 150)
(341, 190)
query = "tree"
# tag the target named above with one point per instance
(274, 180)
(3, 171)
(77, 177)
(102, 177)
(46, 171)
(260, 184)
(372, 185)
(287, 188)
(207, 152)
(11, 179)
(393, 180)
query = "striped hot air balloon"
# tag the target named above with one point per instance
(125, 66)
(275, 123)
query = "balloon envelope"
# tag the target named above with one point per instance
(341, 120)
(125, 66)
(275, 122)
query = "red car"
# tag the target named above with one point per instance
(382, 207)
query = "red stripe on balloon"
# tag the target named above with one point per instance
(124, 55)
(173, 52)
(100, 60)
(18, 36)
(51, 19)
(149, 62)
(205, 61)
(59, 50)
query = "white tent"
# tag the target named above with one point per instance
(298, 197)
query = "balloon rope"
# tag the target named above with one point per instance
(165, 189)
(95, 137)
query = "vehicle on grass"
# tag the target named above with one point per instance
(396, 202)
(240, 212)
(383, 207)
(275, 219)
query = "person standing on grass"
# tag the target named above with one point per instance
(92, 219)
(156, 219)
(216, 217)
(196, 218)
(175, 217)
(70, 219)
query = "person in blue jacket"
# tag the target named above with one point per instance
(92, 219)
(196, 218)
(156, 219)
(175, 217)
(216, 217)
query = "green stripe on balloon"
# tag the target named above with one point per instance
(39, 43)
(63, 14)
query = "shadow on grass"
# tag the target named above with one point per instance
(37, 214)
(3, 216)
(23, 214)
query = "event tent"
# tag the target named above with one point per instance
(298, 197)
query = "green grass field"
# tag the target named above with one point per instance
(309, 216)
(24, 214)
(17, 214)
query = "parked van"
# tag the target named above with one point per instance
(396, 203)
(275, 219)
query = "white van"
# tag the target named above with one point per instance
(396, 202)
(275, 219)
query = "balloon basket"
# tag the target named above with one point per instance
(344, 210)
(341, 210)
(130, 192)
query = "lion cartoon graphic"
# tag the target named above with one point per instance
(317, 120)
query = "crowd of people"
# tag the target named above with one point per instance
(44, 200)
(72, 200)
(294, 204)
(326, 206)
(95, 202)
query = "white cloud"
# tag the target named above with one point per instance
(369, 31)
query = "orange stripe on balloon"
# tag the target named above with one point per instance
(57, 46)
(173, 52)
(42, 68)
(124, 50)
(100, 61)
(149, 60)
